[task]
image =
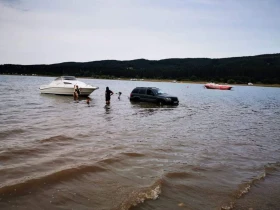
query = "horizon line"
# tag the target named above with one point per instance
(140, 59)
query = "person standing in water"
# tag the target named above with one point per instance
(88, 101)
(76, 92)
(108, 94)
(119, 97)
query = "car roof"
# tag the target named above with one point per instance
(148, 87)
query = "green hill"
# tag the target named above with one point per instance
(261, 68)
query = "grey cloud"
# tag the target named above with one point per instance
(10, 2)
(15, 4)
(85, 30)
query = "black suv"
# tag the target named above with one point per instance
(152, 94)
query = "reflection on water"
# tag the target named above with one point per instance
(57, 99)
(146, 109)
(64, 98)
(150, 105)
(210, 152)
(107, 112)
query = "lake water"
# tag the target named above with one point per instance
(216, 150)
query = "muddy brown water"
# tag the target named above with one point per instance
(216, 150)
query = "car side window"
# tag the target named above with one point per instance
(135, 90)
(142, 91)
(150, 92)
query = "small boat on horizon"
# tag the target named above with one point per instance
(217, 86)
(64, 85)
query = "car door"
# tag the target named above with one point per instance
(150, 95)
(142, 94)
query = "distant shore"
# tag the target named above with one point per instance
(158, 80)
(196, 82)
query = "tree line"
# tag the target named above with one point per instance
(255, 69)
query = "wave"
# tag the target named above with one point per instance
(110, 161)
(244, 188)
(21, 186)
(132, 154)
(272, 167)
(178, 175)
(32, 150)
(268, 169)
(16, 153)
(139, 196)
(7, 133)
(59, 138)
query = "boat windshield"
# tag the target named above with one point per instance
(158, 91)
(69, 78)
(66, 78)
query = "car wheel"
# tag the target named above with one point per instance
(160, 102)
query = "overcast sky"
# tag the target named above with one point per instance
(53, 31)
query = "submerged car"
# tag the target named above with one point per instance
(152, 94)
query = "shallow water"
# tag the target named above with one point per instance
(216, 150)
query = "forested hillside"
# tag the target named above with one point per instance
(262, 68)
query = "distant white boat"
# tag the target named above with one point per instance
(250, 83)
(65, 86)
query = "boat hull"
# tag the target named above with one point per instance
(66, 91)
(218, 87)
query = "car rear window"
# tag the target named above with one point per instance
(142, 91)
(135, 90)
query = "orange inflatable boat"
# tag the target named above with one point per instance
(217, 86)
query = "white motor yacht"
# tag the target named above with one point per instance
(64, 85)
